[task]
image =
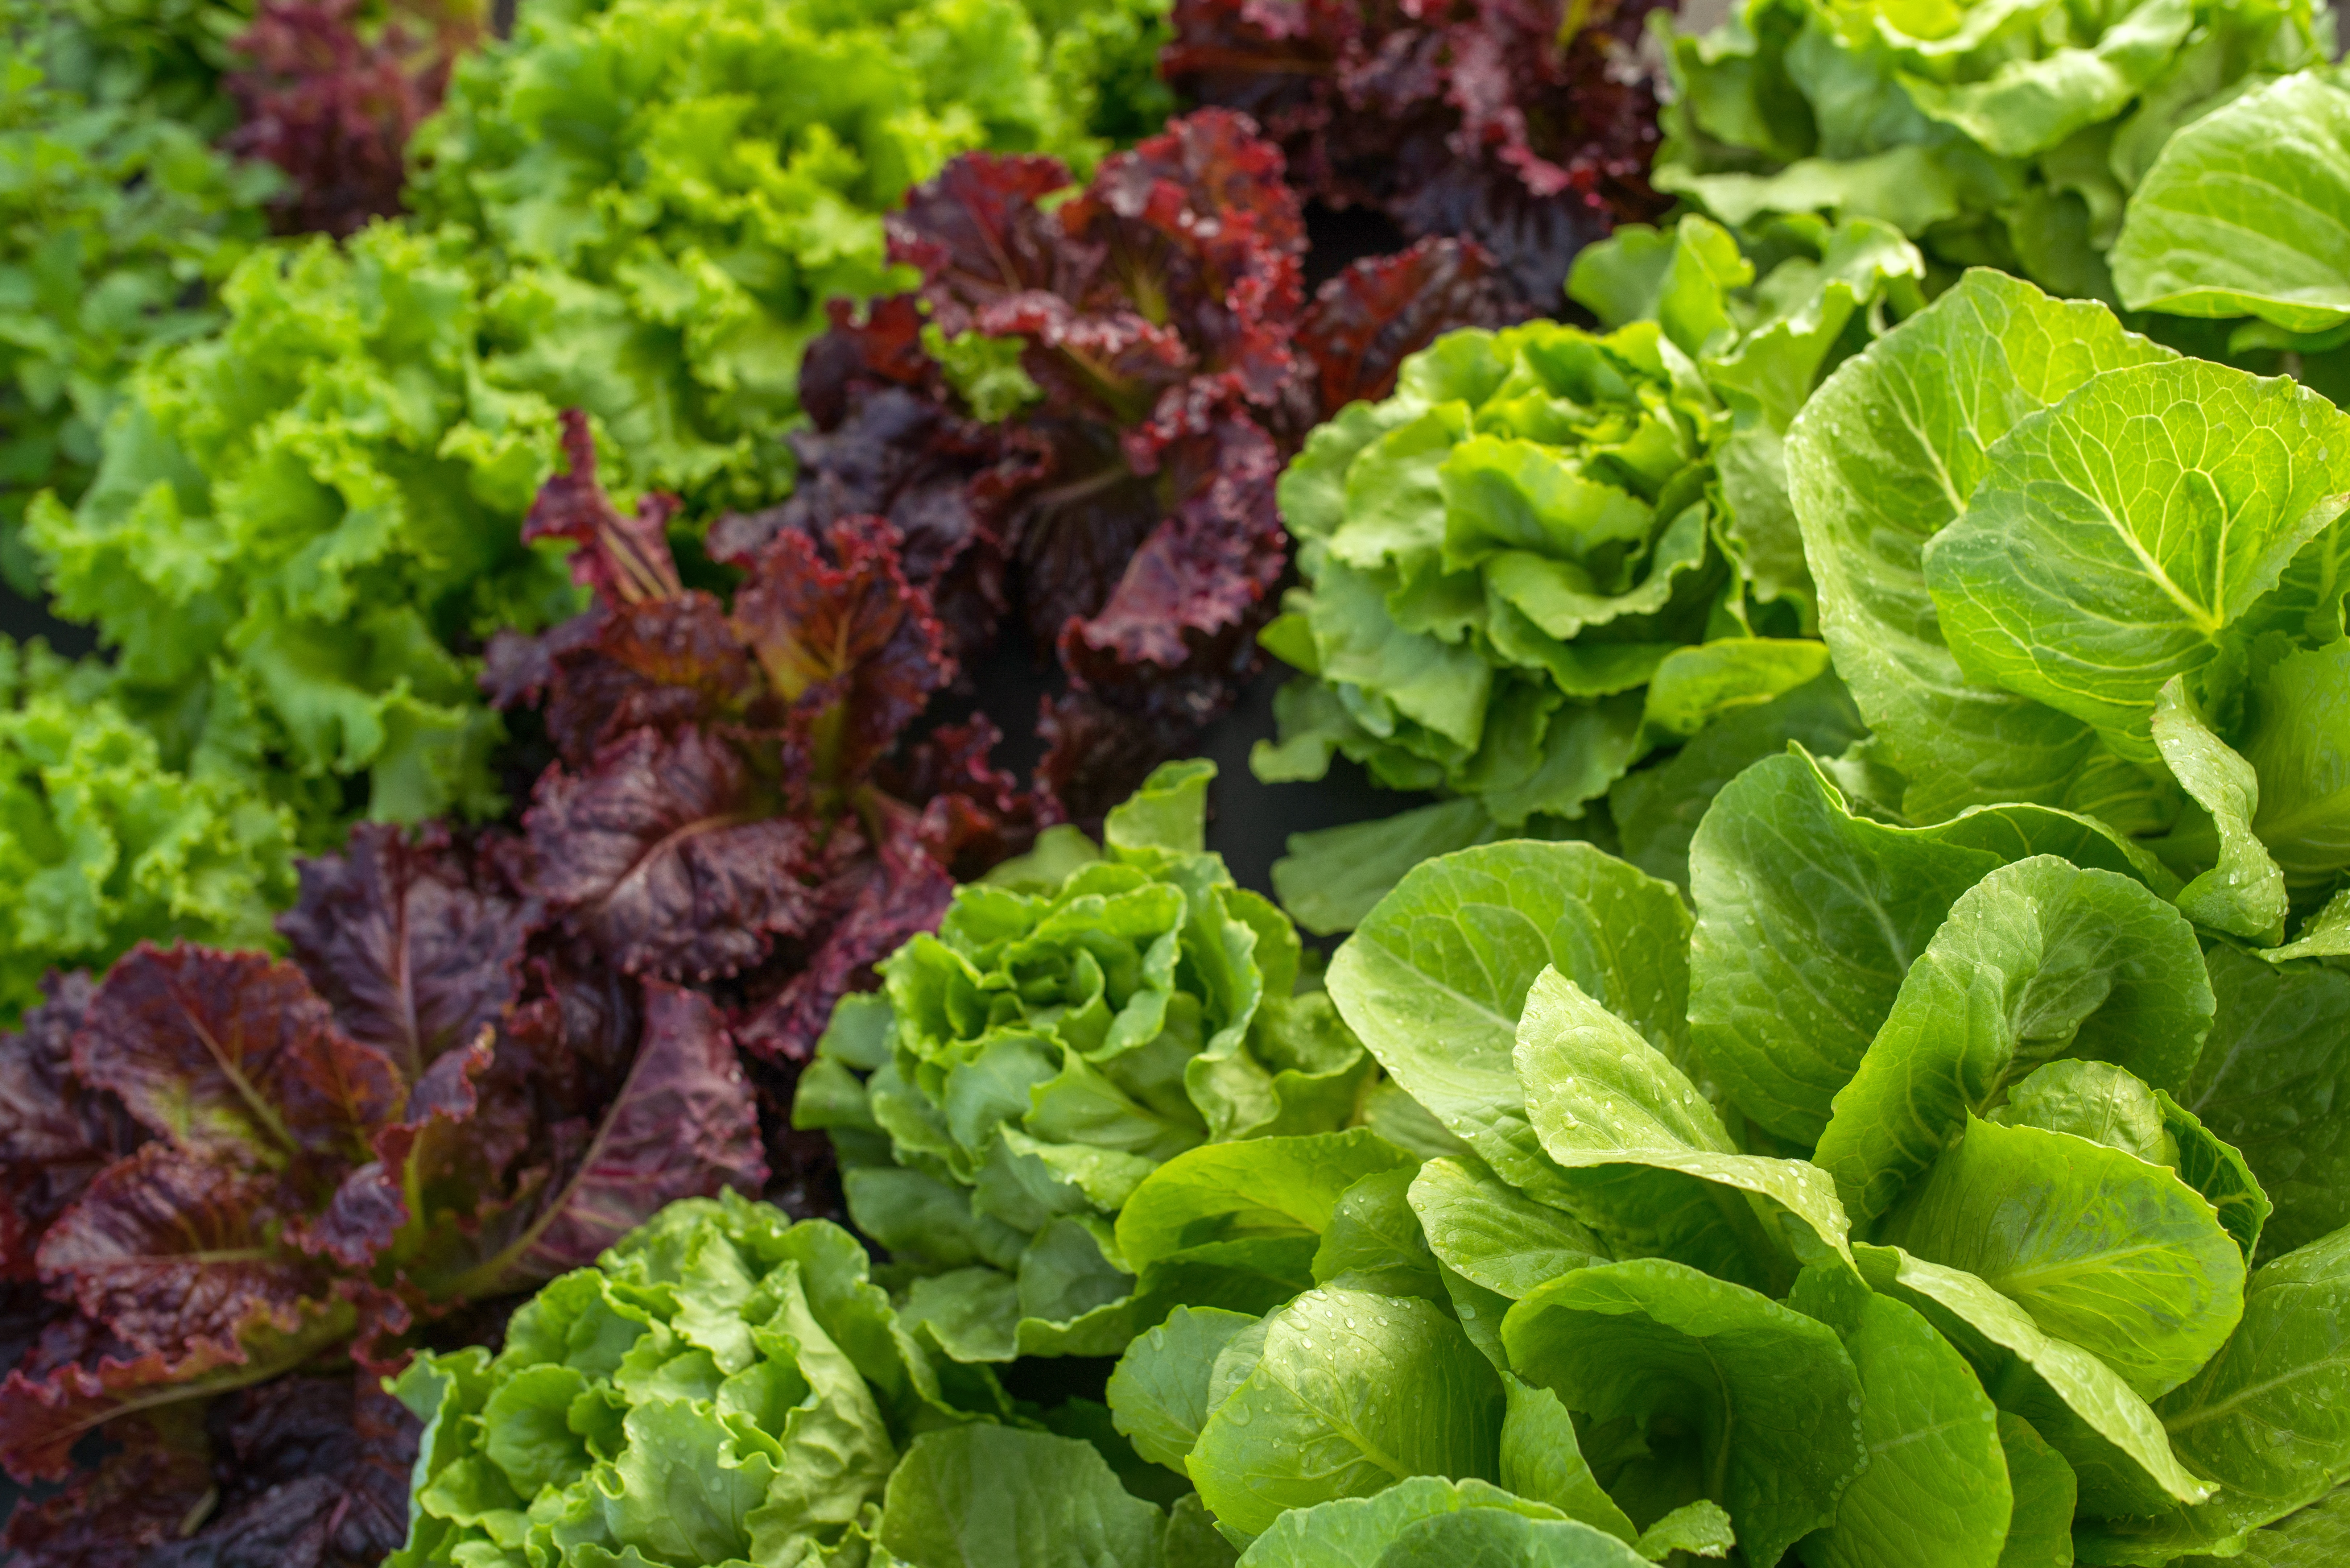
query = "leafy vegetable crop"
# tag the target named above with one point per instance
(731, 806)
(1865, 1220)
(1123, 497)
(2060, 564)
(2228, 225)
(725, 1388)
(2000, 135)
(667, 192)
(1515, 125)
(114, 210)
(1080, 1017)
(331, 97)
(222, 1169)
(1552, 551)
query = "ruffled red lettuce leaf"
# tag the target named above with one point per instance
(979, 240)
(334, 107)
(232, 1056)
(847, 641)
(124, 1512)
(669, 856)
(415, 941)
(975, 814)
(311, 1472)
(46, 1410)
(170, 1246)
(681, 1126)
(56, 1133)
(1523, 124)
(621, 558)
(882, 899)
(1375, 313)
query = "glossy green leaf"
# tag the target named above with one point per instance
(1542, 1460)
(1354, 1531)
(1755, 1405)
(2297, 738)
(2241, 214)
(1498, 1538)
(1487, 1230)
(1352, 1393)
(1883, 458)
(1158, 1393)
(1435, 979)
(2037, 961)
(2115, 537)
(983, 1496)
(1257, 1189)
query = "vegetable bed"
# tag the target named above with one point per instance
(1174, 783)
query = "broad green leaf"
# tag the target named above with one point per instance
(1374, 1242)
(2026, 106)
(1158, 1393)
(2325, 934)
(1353, 1531)
(2243, 212)
(2096, 1101)
(1759, 1404)
(2037, 961)
(687, 1484)
(1809, 915)
(2112, 1440)
(2268, 1419)
(1497, 1538)
(1542, 1460)
(2040, 1527)
(1657, 808)
(2244, 894)
(983, 1496)
(1330, 879)
(2116, 536)
(2101, 1248)
(1599, 1094)
(1435, 979)
(1700, 1529)
(2316, 1537)
(1259, 1188)
(1488, 1231)
(1884, 457)
(2297, 738)
(2273, 1083)
(1935, 1492)
(1192, 1539)
(1352, 1393)
(2220, 1172)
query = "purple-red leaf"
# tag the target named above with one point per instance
(55, 1132)
(623, 559)
(135, 1505)
(682, 1126)
(415, 942)
(669, 857)
(1364, 322)
(979, 238)
(234, 1057)
(847, 643)
(169, 1248)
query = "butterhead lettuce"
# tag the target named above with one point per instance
(1082, 1017)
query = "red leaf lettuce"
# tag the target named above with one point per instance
(1523, 124)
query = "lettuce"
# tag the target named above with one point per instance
(2228, 228)
(725, 1388)
(1553, 551)
(2000, 135)
(1859, 1220)
(2060, 564)
(667, 192)
(1514, 125)
(105, 843)
(1149, 358)
(116, 218)
(229, 1176)
(1081, 1017)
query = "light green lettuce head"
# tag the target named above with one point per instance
(1081, 1017)
(1997, 132)
(667, 193)
(1553, 551)
(104, 841)
(726, 1388)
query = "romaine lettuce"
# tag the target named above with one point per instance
(1995, 133)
